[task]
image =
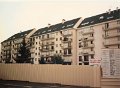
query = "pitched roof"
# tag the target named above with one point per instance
(57, 27)
(19, 35)
(112, 15)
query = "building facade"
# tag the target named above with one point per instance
(10, 47)
(58, 39)
(96, 33)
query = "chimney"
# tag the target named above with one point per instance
(109, 11)
(49, 25)
(117, 8)
(63, 21)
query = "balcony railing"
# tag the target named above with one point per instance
(89, 46)
(110, 43)
(87, 52)
(88, 32)
(67, 34)
(110, 28)
(111, 35)
(50, 38)
(45, 44)
(88, 39)
(67, 54)
(67, 40)
(66, 47)
(46, 50)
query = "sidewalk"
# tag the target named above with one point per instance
(25, 84)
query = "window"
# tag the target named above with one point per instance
(118, 45)
(106, 25)
(52, 47)
(60, 38)
(36, 43)
(35, 53)
(85, 44)
(65, 51)
(60, 32)
(86, 58)
(56, 51)
(80, 45)
(56, 45)
(36, 48)
(106, 33)
(56, 39)
(91, 35)
(36, 37)
(47, 35)
(60, 51)
(60, 44)
(80, 63)
(91, 49)
(92, 56)
(91, 42)
(39, 37)
(69, 51)
(80, 58)
(43, 36)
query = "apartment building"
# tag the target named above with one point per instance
(10, 47)
(96, 33)
(58, 39)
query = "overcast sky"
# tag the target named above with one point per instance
(21, 15)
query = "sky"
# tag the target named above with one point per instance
(22, 15)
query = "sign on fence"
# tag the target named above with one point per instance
(111, 63)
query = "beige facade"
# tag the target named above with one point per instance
(61, 42)
(10, 47)
(96, 35)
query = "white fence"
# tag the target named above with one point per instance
(63, 74)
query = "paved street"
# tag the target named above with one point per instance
(20, 84)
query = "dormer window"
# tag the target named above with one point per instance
(102, 17)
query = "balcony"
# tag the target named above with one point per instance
(67, 55)
(110, 43)
(46, 44)
(87, 52)
(110, 28)
(67, 34)
(111, 35)
(66, 47)
(89, 46)
(66, 40)
(88, 39)
(88, 32)
(46, 50)
(49, 38)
